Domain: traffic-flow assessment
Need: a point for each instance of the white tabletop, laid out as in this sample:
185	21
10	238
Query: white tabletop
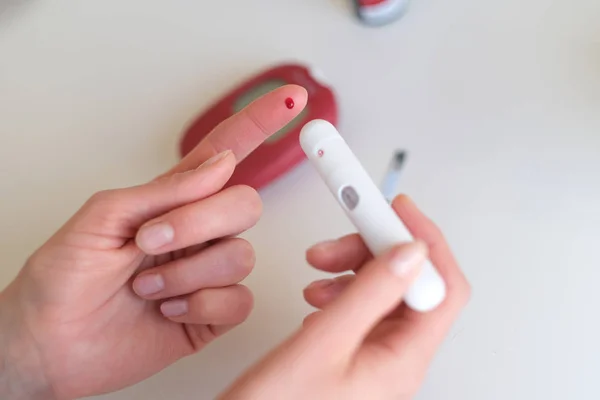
498	104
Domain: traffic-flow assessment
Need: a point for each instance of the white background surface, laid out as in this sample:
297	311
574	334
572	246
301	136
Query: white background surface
498	103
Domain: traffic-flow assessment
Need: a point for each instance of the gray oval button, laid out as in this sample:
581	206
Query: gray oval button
349	197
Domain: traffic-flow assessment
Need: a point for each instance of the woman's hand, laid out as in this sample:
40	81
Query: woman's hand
362	343
139	277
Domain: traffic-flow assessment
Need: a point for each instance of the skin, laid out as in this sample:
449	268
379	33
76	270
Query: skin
363	342
80	320
74	322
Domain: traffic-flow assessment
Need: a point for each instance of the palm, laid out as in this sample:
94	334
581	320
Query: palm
109	338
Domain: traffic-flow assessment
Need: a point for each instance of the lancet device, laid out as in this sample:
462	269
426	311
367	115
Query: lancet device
366	206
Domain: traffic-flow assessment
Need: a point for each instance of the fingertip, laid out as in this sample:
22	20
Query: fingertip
322	292
154	235
247	129
148	285
416	246
299	94
405	260
277	108
243	304
344	254
174	308
403	201
320	253
320	284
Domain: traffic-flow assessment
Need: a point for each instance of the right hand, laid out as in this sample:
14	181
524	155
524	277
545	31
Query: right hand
362	344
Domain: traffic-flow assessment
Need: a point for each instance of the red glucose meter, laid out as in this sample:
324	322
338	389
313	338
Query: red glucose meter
281	152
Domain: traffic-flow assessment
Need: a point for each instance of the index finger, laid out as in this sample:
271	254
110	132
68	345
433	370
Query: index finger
246	130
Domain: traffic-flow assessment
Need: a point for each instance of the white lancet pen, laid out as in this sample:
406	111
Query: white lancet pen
366	206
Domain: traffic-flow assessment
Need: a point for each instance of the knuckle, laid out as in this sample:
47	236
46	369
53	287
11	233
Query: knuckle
246	192
255	121
245	248
107	199
241	304
244	253
37	263
461	294
106	208
466	293
247	200
312	318
102	197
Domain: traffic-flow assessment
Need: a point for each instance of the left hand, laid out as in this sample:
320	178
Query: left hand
139	277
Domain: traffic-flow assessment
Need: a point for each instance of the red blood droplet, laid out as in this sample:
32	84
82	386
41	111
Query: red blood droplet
320	153
289	103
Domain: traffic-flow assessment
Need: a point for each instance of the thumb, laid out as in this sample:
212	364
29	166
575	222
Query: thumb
377	290
119	213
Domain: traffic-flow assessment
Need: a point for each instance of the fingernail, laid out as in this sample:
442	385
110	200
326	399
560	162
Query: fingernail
174	308
215	159
324	246
322	284
155	236
146	285
408	258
